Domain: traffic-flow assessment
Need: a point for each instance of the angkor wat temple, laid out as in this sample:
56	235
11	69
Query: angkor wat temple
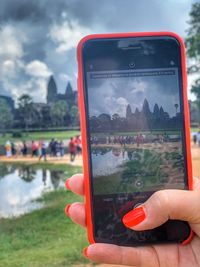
139	120
42	110
53	96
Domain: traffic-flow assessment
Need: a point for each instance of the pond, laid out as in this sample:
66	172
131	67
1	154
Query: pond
21	186
128	169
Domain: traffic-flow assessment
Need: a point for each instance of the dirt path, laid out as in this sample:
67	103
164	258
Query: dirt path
78	160
55	160
196	160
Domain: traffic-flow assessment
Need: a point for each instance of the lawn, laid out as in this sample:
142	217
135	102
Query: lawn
60	135
43	238
194	130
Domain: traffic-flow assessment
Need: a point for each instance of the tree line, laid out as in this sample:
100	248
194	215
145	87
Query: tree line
32	115
143	120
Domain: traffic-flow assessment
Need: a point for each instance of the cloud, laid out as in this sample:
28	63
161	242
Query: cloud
48	31
67	35
64	77
36	88
40	75
37	68
121	104
12	40
113	95
40	94
8	68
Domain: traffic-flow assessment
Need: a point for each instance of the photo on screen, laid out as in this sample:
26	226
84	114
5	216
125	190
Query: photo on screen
136	130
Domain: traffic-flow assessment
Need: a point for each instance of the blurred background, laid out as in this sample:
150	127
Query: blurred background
38	72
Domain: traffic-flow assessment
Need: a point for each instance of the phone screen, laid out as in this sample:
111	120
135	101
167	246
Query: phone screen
136	136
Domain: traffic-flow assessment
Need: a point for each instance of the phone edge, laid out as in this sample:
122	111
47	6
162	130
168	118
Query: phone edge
81	105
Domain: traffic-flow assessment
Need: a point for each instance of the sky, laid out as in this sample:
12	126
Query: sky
112	95
39	38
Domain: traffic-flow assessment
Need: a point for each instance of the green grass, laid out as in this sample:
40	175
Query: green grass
67	168
45	237
39	136
196	129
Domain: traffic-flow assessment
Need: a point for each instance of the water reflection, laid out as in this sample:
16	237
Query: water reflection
132	169
20	186
26	173
108	160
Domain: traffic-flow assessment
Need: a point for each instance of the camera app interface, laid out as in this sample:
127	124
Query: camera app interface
135	131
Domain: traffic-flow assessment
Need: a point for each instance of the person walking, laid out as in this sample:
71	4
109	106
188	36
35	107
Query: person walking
194	138
13	149
24	149
78	144
52	147
34	149
61	145
198	138
72	149
8	149
43	151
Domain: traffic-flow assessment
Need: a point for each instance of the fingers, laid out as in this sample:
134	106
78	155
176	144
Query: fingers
164	205
196	183
76	212
76	184
112	254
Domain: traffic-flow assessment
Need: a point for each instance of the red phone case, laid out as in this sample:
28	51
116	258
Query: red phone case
81	103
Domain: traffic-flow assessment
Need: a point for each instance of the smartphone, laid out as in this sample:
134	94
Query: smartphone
135	131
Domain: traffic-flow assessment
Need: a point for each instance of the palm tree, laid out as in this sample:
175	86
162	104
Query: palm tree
6	117
26	109
58	112
75	115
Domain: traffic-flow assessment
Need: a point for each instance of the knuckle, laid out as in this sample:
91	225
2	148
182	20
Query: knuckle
161	199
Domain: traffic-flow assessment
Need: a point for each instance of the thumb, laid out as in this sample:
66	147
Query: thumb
164	205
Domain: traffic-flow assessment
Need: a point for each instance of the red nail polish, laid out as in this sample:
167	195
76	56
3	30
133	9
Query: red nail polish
67	184
67	209
134	217
85	252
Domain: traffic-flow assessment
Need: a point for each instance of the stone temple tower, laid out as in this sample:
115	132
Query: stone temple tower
70	95
51	91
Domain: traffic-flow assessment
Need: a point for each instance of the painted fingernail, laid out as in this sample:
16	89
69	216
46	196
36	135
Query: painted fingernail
134	217
67	184
67	209
85	252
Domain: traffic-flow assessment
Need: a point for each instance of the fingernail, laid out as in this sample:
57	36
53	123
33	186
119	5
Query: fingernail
67	209
85	252
67	184
134	217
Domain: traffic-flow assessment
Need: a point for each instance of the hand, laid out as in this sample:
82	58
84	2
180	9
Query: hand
173	204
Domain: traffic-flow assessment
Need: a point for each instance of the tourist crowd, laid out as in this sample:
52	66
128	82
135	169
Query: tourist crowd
131	139
41	149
